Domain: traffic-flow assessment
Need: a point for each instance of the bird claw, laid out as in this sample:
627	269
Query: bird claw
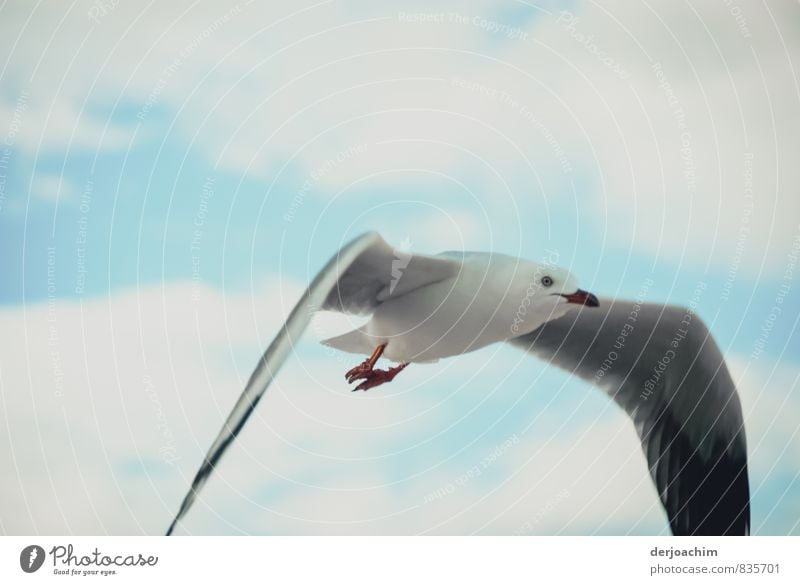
374	378
362	370
366	371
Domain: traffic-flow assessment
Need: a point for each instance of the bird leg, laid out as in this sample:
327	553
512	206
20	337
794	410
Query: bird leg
366	371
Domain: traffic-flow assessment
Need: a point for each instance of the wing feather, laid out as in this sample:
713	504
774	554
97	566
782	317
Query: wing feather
381	272
351	282
687	414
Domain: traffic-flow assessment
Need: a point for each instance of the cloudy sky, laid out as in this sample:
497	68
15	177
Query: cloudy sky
173	174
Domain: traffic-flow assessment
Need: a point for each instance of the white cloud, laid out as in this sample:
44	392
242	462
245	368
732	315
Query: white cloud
52	187
262	86
98	396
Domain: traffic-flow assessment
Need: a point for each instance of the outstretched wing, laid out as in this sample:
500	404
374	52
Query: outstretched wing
358	278
662	366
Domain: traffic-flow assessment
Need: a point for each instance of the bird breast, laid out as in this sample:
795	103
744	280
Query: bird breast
450	317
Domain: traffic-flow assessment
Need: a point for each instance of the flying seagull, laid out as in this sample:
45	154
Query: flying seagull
659	363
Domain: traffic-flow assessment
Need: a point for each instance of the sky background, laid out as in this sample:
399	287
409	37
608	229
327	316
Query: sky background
173	174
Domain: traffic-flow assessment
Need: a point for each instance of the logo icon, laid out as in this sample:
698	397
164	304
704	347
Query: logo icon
402	257
31	558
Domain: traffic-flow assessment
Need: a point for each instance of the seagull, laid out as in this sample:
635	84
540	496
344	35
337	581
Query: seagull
659	363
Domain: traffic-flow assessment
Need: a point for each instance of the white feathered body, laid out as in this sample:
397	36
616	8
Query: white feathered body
489	300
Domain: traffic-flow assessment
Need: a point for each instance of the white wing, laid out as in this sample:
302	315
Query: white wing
687	413
356	280
380	272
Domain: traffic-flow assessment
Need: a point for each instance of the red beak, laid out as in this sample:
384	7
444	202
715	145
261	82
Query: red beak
581	297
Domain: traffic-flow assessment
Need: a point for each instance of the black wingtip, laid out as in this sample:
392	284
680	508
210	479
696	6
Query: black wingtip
703	494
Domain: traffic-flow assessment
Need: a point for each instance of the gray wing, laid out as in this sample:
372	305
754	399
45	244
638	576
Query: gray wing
356	279
662	366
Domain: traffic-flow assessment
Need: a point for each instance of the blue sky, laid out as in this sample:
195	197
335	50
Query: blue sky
162	149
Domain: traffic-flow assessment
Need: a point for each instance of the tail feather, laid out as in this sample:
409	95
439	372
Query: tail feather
352	342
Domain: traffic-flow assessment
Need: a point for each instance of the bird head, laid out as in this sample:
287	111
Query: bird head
551	291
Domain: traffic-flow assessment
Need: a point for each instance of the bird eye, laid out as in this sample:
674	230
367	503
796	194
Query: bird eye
547	281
